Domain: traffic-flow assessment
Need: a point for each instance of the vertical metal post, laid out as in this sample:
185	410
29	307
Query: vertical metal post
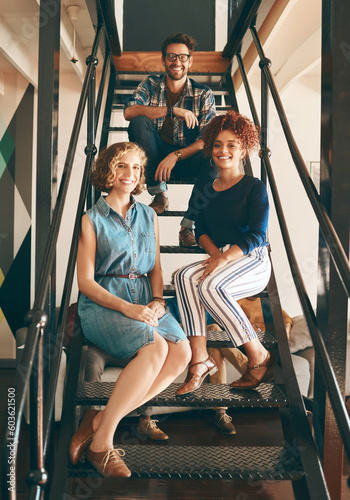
46	181
91	124
108	107
37	477
264	117
332	302
48	92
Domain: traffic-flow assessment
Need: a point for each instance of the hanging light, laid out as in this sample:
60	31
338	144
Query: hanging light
73	12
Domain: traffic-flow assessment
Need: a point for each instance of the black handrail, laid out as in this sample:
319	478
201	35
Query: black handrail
328	374
334	245
37	316
246	14
63	313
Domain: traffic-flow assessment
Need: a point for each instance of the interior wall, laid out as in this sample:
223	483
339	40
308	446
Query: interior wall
16	147
156	20
302	105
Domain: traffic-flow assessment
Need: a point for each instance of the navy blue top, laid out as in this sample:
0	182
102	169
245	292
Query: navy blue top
236	216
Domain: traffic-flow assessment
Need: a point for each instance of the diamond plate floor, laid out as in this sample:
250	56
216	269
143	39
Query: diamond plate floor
211	462
208	395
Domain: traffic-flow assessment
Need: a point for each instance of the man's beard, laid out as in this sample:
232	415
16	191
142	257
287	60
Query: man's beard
176	76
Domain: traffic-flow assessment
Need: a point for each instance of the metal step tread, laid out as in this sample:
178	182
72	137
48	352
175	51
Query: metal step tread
121	106
172	213
221	339
204	462
131	84
147	73
177	249
266	395
169	290
118	129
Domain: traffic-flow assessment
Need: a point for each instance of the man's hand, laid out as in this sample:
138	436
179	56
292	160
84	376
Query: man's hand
184	114
165	167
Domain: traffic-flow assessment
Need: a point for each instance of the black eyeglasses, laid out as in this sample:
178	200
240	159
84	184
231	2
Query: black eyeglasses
182	57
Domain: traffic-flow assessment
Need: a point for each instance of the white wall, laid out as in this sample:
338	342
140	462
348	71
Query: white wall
302	104
70	89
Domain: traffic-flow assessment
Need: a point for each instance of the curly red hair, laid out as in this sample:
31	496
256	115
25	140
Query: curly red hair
243	128
103	174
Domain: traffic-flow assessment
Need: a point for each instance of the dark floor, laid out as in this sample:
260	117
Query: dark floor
257	427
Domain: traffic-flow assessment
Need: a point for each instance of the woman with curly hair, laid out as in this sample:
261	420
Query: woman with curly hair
121	306
231	227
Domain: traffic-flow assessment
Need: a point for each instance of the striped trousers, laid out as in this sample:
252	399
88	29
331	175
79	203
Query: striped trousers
218	294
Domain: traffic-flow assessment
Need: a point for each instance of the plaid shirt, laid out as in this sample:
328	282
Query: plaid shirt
196	97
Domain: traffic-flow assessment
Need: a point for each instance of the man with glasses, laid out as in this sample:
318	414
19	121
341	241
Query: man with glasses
167	117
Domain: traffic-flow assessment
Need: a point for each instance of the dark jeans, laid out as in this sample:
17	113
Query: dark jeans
144	132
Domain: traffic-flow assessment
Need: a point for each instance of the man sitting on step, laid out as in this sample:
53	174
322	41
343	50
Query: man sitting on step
167	115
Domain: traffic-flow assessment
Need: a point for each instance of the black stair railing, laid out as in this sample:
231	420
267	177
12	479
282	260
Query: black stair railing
334	245
37	318
335	248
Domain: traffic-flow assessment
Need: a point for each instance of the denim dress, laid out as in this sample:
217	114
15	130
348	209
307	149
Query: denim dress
124	246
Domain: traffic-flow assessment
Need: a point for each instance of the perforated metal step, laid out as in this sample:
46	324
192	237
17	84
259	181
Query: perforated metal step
221	339
176	249
205	462
267	395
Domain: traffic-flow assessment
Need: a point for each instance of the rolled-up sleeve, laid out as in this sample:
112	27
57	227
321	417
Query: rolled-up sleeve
140	96
207	111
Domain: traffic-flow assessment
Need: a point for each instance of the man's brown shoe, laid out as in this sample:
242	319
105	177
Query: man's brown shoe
186	238
160	203
224	423
83	437
108	463
149	428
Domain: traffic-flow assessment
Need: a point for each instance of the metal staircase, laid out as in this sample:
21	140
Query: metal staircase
283	462
296	459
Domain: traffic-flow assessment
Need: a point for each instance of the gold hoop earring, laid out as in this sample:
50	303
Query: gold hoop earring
212	163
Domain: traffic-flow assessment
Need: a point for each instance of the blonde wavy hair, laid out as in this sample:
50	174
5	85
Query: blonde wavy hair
103	174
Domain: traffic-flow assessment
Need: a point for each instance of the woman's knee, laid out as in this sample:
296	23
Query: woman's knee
180	354
156	352
187	274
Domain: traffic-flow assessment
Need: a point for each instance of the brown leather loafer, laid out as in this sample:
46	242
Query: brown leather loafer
186	238
148	427
249	381
82	437
193	380
160	203
108	463
224	423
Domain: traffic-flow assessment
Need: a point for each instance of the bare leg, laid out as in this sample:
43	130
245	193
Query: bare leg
199	353
256	354
147	374
176	362
259	368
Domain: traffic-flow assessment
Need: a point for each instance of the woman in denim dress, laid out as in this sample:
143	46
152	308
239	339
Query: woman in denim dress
121	306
